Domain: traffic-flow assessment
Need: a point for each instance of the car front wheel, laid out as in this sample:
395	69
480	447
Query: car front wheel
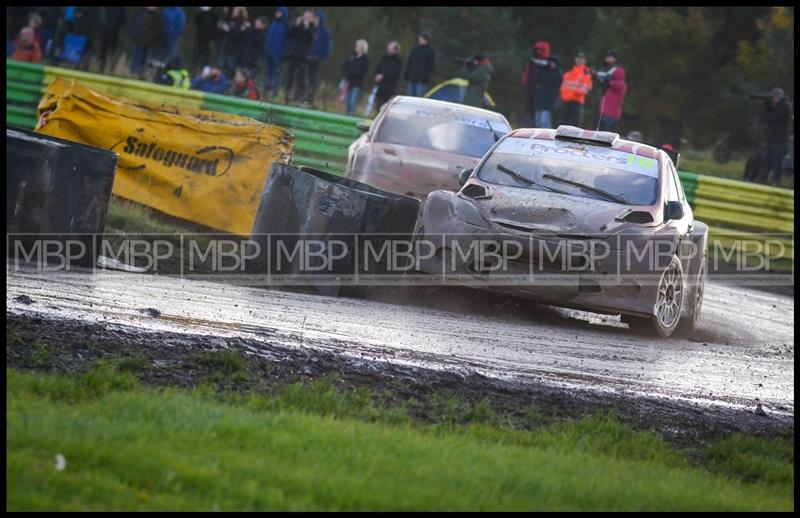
668	305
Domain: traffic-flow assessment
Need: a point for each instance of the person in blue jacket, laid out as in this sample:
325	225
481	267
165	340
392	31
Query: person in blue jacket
320	50
212	80
174	25
274	50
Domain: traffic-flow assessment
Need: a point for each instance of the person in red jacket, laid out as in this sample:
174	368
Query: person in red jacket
614	89
577	83
27	48
244	86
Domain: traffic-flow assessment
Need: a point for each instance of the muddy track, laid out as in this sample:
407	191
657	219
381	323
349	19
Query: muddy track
741	356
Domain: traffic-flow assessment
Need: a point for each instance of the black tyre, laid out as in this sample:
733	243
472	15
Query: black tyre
688	323
668	306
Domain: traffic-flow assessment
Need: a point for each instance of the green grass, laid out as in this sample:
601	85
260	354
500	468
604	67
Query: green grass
311	446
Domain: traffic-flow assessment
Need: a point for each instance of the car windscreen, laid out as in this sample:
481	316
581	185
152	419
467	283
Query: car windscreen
440	130
573	169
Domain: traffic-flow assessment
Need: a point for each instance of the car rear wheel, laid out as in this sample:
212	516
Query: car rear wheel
669	302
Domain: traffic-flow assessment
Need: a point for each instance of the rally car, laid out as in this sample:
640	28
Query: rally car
597	222
415	145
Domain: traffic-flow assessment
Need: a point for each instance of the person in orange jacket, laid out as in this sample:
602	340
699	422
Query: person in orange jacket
577	83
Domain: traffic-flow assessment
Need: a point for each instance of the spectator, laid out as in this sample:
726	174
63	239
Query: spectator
776	116
205	22
274	49
354	69
234	40
536	65
174	25
547	92
320	50
174	75
577	83
478	71
614	88
26	47
244	86
113	20
256	37
35	22
300	39
387	73
51	16
211	80
148	29
87	19
419	69
69	18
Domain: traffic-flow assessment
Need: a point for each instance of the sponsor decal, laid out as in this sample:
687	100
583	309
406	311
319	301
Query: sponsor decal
208	160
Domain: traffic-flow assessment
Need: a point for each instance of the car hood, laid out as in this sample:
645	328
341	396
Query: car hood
544	212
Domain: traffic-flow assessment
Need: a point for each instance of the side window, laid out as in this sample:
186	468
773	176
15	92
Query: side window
672	189
677	181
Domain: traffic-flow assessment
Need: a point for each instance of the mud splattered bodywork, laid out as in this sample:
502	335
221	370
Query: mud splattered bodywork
620	240
418	145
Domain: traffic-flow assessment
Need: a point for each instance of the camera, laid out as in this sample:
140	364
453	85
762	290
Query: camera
467	62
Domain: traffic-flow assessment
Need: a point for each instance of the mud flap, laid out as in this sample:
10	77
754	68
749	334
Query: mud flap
57	195
306	210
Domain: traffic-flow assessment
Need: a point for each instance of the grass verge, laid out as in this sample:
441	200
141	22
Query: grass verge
313	446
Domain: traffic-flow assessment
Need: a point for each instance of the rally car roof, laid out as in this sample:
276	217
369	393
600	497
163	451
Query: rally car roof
627	146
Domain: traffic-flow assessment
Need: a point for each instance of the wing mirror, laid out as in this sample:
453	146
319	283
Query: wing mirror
363	126
463	176
673	210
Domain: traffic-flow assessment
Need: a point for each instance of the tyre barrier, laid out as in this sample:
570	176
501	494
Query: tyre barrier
57	195
311	224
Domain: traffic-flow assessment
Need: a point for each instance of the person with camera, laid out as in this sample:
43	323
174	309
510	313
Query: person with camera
577	84
477	71
547	92
613	87
536	65
212	80
299	43
174	74
776	116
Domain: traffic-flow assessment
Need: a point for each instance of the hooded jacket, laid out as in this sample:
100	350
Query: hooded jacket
420	64
275	43
544	52
323	41
478	78
611	102
390	66
577	83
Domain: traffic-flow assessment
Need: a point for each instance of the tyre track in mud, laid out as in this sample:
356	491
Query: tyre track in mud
741	355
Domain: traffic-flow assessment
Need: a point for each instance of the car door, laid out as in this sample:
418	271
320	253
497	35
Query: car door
682	226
